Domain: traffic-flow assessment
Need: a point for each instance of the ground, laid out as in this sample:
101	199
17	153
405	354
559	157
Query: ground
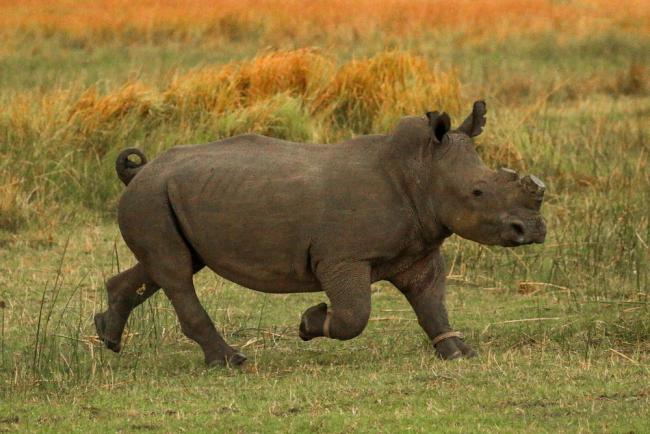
547	361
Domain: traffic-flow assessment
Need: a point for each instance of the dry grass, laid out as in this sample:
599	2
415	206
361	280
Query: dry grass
153	20
298	73
359	94
13	203
369	95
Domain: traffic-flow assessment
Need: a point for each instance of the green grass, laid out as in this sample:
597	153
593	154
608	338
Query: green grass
551	358
562	329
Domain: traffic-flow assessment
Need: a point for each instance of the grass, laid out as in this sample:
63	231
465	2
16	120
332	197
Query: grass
563	329
552	358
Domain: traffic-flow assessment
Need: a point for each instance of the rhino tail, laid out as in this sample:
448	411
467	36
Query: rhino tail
126	167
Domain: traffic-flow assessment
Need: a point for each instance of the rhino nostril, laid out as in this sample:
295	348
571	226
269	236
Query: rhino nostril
517	228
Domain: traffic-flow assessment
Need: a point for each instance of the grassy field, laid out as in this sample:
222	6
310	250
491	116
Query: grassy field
562	329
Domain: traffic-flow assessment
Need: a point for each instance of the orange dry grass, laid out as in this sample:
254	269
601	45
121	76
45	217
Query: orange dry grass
283	88
297	73
368	94
94	111
304	21
362	95
12	202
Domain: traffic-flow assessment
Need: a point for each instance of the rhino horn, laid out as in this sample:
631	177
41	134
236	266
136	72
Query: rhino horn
508	174
533	185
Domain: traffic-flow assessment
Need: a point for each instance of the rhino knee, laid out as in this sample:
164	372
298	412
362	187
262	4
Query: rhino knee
348	324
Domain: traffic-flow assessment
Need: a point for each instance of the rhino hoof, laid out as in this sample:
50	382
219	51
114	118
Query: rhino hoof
235	359
302	331
100	327
315	314
454	348
468	352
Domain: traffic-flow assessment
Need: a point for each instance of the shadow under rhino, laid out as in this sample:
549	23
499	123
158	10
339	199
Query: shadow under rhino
283	217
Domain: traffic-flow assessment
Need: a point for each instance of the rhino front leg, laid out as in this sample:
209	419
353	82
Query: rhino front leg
347	285
424	287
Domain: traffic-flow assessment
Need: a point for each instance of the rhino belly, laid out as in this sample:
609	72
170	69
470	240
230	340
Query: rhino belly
252	242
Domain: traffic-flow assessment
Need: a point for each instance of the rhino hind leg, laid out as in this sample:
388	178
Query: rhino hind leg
168	260
348	288
171	267
126	291
197	325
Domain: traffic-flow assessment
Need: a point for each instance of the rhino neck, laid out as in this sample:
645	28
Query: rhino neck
411	169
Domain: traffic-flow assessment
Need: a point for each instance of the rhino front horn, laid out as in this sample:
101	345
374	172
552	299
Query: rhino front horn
533	185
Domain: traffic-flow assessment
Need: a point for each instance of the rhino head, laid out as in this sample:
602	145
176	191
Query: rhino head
494	207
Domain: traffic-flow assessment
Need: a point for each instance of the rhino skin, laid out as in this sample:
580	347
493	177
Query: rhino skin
283	217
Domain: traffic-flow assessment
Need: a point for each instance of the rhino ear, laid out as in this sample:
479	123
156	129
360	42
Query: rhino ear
473	125
440	124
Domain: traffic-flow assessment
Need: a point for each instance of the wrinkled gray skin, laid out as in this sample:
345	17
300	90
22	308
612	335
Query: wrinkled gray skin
284	217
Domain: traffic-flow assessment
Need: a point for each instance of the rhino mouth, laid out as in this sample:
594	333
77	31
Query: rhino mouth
517	233
515	243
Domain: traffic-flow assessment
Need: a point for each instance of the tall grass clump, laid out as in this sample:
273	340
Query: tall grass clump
370	95
14	203
208	92
96	122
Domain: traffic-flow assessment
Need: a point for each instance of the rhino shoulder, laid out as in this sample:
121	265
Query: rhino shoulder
411	130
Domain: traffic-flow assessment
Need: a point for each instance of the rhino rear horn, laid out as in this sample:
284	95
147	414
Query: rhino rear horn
440	124
473	125
508	174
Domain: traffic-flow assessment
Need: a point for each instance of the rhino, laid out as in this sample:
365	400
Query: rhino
283	217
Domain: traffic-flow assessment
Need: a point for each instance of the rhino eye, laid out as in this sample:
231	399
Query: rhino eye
476	192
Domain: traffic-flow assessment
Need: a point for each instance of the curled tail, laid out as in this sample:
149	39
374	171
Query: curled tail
126	169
